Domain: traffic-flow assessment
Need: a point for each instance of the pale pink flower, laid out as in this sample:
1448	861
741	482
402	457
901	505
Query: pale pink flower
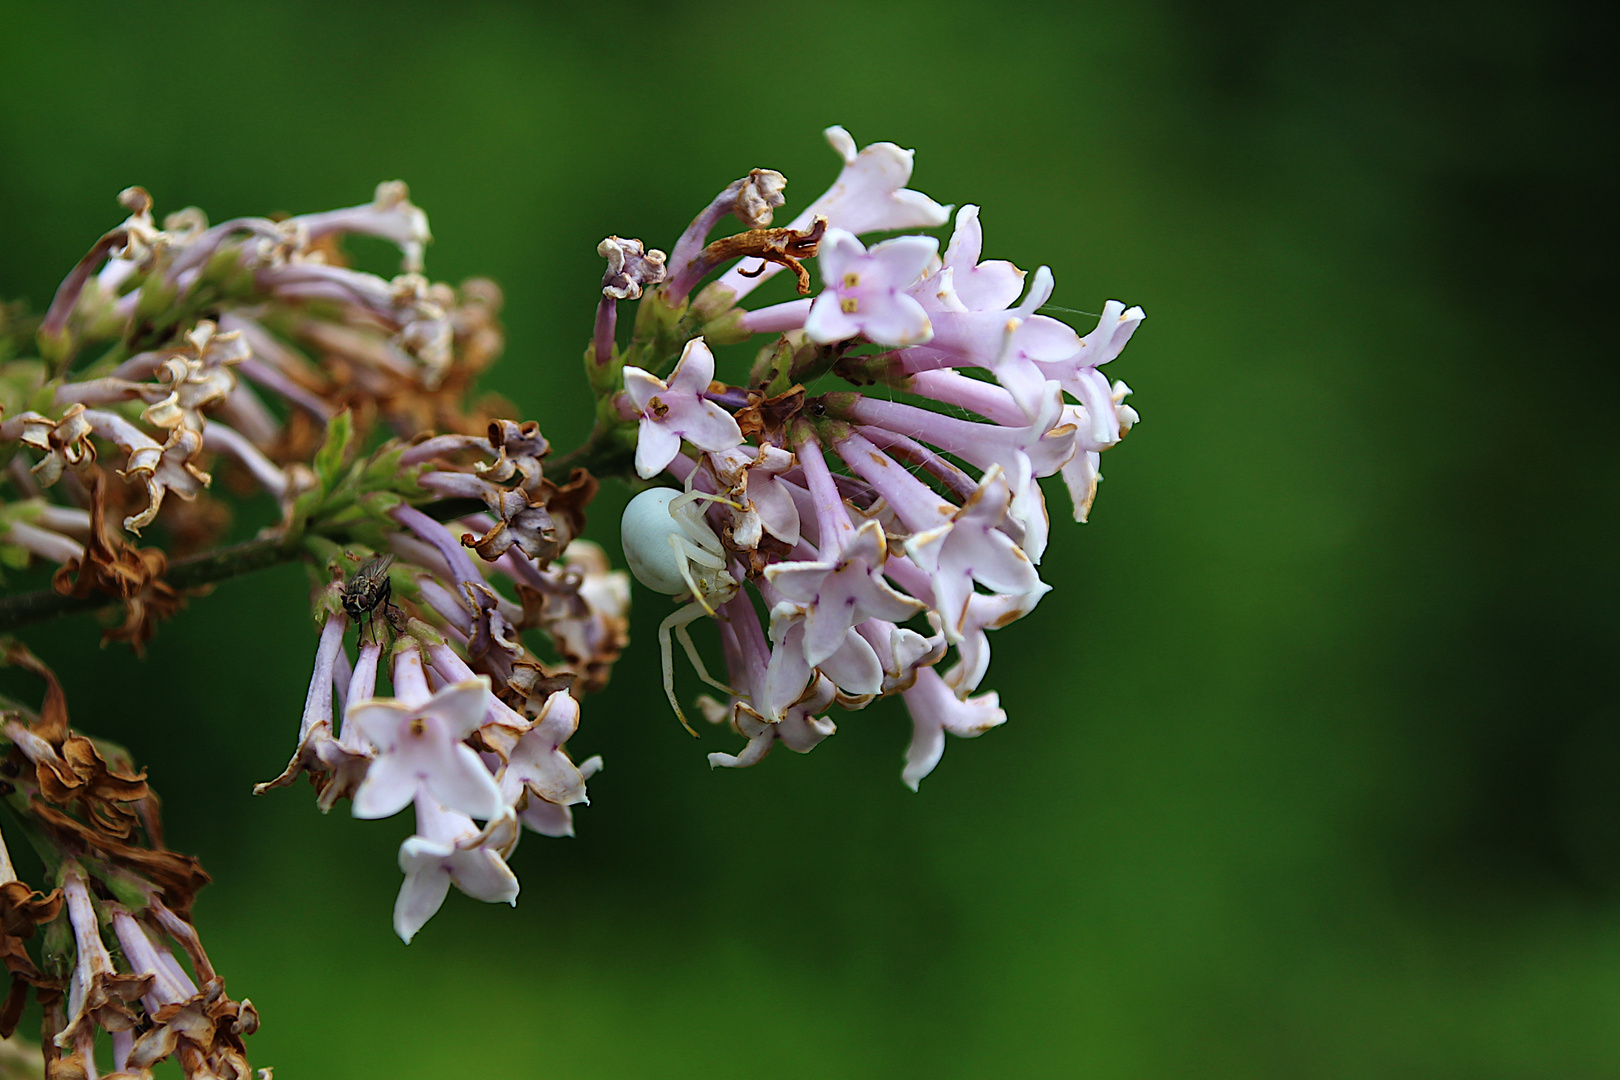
1077	372
450	850
852	665
675	410
900	651
551	819
419	748
754	479
768	706
799	728
985	612
973	548
934	711
864	292
538	764
840	590
992	285
1080	472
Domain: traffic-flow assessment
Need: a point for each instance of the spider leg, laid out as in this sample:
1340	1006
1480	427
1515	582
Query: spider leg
679	617
685	638
698	554
700	496
682	551
695	528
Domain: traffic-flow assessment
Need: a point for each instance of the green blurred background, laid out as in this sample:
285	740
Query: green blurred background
1313	767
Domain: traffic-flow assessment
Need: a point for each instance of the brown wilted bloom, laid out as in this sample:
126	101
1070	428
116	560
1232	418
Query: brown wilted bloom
476	318
201	1025
785	247
369	373
71	774
205	1031
68	768
162	468
765	420
178	876
22	910
196	378
519	450
118	569
759	194
520	522
584	605
540	525
65	443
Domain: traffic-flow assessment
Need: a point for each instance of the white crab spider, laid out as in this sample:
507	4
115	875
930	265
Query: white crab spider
671	549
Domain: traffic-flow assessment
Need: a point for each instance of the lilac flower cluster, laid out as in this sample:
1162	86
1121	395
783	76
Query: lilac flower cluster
855	516
878	536
473	727
444	743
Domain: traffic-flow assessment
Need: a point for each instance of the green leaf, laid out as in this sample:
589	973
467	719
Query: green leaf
329	458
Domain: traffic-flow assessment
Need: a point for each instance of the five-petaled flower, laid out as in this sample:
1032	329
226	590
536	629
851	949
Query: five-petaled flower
448	849
675	410
865	290
419	750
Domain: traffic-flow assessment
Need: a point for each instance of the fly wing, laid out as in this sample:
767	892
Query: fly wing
376	568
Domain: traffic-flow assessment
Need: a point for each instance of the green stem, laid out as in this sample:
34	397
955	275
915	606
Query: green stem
610	451
207	568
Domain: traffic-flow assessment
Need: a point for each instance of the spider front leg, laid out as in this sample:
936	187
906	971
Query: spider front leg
685	639
678	620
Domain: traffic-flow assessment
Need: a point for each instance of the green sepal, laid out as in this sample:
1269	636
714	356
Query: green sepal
661	331
43	400
228	275
126	888
57	950
302	514
56	349
325	550
771	364
715	301
383	468
604	378
327	603
728	329
377	504
422	632
156	302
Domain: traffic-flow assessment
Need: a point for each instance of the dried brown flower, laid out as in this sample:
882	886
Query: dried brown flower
785	247
118	569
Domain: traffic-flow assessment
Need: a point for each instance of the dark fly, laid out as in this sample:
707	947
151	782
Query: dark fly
370	589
